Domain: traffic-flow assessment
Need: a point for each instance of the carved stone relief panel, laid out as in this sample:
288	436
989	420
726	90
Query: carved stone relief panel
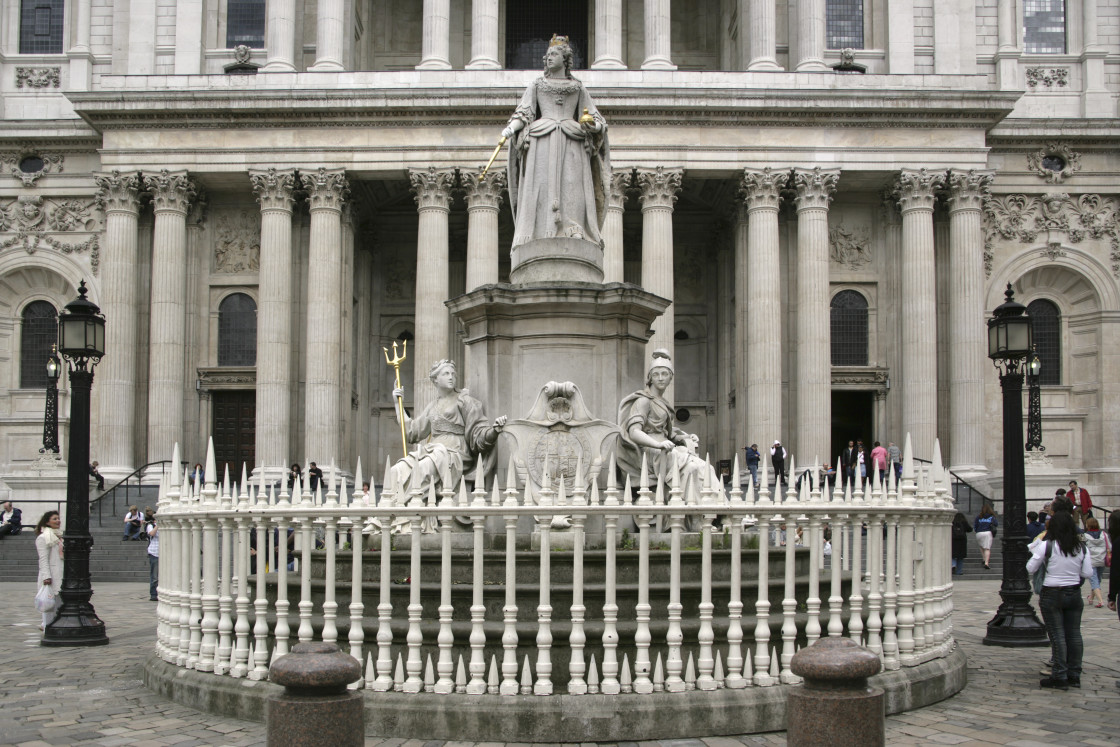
65	224
1052	219
849	238
237	241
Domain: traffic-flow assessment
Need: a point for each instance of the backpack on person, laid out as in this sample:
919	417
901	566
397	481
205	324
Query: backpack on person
1038	578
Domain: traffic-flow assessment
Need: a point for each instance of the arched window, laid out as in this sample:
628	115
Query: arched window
245	24
39	331
849	329
237	331
1046	324
40	27
530	26
1044	26
843	20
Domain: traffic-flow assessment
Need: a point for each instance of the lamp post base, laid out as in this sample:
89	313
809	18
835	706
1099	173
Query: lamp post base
80	628
1016	625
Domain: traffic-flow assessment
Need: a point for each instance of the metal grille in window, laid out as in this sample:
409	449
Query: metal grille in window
245	23
849	329
40	27
843	20
530	26
1047	328
1044	26
38	332
237	331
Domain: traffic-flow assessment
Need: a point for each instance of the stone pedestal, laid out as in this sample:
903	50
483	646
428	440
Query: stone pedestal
558	259
316	707
836	705
518	336
41	481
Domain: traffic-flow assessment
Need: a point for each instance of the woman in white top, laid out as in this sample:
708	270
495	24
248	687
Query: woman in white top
48	543
1060	601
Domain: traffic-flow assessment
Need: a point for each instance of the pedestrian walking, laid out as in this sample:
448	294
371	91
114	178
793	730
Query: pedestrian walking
153	559
1098	544
48	544
1111	560
753	456
1066	561
985	526
960	532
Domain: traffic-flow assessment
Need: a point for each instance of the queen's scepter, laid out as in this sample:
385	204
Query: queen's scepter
396	362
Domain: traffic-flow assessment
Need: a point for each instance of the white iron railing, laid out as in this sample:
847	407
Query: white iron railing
215	615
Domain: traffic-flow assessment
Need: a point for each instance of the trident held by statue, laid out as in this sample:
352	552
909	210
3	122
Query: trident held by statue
396	362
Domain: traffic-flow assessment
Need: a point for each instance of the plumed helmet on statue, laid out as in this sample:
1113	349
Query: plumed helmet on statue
659	359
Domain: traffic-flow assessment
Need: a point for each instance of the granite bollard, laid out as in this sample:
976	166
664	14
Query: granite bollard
315	708
835	705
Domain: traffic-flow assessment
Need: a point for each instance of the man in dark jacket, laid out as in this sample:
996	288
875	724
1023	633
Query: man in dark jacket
10	520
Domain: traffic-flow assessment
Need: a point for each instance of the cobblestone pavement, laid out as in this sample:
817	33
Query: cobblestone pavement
95	696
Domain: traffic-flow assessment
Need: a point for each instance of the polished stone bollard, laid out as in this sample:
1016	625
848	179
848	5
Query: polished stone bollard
835	705
315	708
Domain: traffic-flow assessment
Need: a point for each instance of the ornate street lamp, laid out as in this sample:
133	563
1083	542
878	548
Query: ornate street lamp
50	414
81	340
1034	405
1009	345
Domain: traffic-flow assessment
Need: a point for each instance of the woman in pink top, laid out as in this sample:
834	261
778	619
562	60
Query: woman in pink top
879	459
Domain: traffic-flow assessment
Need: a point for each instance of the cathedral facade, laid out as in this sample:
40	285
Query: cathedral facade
832	195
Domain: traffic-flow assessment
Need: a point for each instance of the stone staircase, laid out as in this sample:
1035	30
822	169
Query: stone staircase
110	560
973	565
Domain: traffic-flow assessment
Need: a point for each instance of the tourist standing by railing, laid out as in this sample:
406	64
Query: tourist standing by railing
1066	559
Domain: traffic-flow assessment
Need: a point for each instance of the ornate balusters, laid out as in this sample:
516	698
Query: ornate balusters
609	684
413	682
384	680
225	599
762	603
577	668
208	600
477	683
906	561
735	660
283	631
706	636
674	662
445	639
357	634
330	545
259	662
642	683
186	575
241	628
305	632
543	683
509	684
810	492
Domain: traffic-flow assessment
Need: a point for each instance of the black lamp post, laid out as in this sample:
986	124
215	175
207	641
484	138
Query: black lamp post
50	414
81	340
1009	344
1034	405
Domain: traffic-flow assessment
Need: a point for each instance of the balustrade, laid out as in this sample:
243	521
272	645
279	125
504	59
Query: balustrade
590	615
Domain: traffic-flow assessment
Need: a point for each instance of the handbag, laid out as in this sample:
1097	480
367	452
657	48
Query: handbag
1038	578
45	599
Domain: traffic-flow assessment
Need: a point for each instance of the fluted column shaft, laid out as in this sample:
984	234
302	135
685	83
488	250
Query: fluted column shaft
810	35
742	323
329	31
484	35
483	201
659	188
435	47
815	189
171	195
327	190
763	35
280	35
916	193
613	261
432	191
116	375
608	35
658	36
274	318
967	343
761	192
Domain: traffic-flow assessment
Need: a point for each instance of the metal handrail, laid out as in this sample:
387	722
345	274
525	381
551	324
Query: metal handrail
967	508
126	483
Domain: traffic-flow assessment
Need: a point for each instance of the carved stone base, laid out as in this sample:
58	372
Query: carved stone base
558	259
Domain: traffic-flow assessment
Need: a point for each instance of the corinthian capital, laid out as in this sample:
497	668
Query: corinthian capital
431	188
968	189
762	189
326	189
916	189
171	191
620	183
117	192
815	187
659	187
486	193
274	188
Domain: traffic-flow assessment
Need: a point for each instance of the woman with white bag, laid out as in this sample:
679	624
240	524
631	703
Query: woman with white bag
48	543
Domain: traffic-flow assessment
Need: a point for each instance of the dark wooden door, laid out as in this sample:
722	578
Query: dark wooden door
234	429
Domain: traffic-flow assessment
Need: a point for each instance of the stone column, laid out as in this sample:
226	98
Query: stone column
915	192
432	191
171	196
658	30
329	31
280	36
118	195
764	37
613	262
484	35
436	44
274	318
483	201
810	36
1010	49
80	55
1096	99
327	190
659	188
763	393
608	35
815	189
740	383
967	328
